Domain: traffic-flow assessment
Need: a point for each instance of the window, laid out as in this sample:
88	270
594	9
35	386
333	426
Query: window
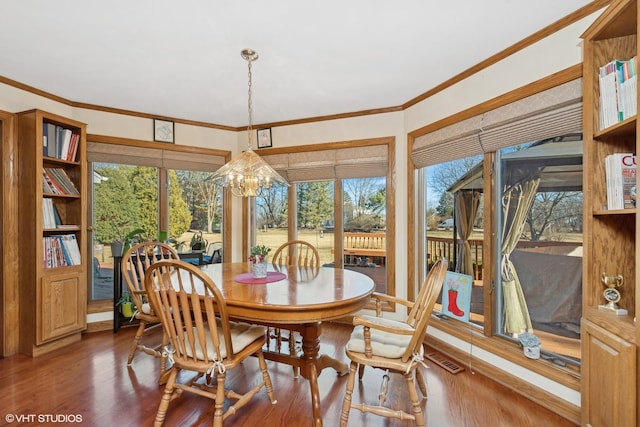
540	243
125	208
314	216
272	217
340	192
150	192
195	211
455	189
365	225
531	152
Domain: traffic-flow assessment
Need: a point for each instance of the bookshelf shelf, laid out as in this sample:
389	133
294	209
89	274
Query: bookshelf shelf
602	212
625	127
53	264
609	341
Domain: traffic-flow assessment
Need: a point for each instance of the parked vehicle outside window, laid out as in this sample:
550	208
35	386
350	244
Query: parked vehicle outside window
447	224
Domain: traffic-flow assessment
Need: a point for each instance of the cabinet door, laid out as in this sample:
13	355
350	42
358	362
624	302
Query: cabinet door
608	378
62	306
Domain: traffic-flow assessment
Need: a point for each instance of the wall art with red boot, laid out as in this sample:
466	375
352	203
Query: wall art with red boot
456	295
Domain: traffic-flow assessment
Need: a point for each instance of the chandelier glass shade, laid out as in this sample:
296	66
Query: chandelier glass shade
247	174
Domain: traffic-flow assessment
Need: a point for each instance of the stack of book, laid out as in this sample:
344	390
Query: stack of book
56	181
60	251
620	173
618	91
59	142
50	216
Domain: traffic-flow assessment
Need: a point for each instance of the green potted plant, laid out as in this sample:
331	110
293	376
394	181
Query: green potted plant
123	243
126	304
259	253
198	242
132	238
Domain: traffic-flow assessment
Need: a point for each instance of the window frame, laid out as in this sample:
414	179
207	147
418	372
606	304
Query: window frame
249	218
181	152
485	339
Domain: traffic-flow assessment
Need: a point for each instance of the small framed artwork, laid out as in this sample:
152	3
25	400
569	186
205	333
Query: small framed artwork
163	131
456	295
264	138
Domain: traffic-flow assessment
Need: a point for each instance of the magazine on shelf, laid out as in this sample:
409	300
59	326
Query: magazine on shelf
620	175
60	251
618	91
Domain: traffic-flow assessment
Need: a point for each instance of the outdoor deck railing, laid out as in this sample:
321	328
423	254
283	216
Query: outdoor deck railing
444	247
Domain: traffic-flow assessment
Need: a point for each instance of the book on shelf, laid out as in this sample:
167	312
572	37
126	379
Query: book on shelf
47	214
58	142
71	246
618	91
58	181
73	147
48	184
50	215
60	251
620	175
64	147
51	139
45	140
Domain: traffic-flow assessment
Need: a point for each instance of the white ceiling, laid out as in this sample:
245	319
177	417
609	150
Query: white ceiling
181	59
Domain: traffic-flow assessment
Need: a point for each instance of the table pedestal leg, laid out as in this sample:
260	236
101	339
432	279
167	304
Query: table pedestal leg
312	365
325	361
309	370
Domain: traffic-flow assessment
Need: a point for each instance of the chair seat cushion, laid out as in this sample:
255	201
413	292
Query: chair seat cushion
146	308
242	334
383	344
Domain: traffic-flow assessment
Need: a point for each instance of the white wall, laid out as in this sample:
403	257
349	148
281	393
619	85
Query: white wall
550	55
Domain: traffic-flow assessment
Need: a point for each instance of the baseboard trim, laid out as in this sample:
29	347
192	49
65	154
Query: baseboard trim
104	325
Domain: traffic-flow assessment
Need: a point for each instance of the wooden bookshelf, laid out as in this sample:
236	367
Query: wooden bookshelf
53	301
609	340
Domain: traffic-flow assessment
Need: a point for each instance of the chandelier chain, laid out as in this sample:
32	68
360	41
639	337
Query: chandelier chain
248	175
250	107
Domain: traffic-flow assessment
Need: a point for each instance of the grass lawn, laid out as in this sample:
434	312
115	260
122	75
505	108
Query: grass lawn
273	238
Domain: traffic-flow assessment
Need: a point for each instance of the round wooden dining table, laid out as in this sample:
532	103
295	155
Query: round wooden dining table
295	298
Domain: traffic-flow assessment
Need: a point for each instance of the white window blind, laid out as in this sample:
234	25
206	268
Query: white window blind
353	162
553	112
143	156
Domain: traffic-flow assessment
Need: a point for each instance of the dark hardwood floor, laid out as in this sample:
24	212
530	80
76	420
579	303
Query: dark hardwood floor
90	380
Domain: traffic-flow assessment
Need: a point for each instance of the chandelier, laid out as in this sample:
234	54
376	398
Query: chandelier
247	174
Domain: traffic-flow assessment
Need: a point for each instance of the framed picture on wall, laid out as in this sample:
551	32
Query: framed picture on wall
163	131
264	138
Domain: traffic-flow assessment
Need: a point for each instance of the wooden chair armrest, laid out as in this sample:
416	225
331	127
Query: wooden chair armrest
379	298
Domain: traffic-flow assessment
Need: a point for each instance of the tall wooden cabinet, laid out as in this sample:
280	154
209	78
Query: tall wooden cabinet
53	300
609	341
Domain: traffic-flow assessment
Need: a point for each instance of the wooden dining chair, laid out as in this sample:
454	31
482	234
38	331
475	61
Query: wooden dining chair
194	316
213	254
298	253
134	264
395	346
293	253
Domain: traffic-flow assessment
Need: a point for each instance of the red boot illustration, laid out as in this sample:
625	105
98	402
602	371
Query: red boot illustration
453	303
